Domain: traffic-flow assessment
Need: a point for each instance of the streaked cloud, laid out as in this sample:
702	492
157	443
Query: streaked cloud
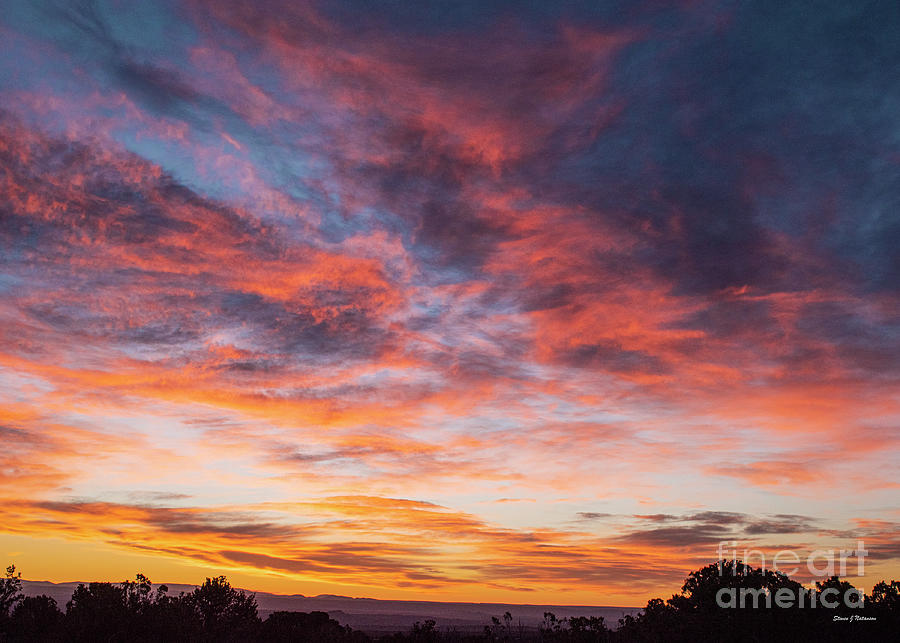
481	301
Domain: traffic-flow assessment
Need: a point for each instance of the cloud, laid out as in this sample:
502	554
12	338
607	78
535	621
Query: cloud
593	515
691	531
291	251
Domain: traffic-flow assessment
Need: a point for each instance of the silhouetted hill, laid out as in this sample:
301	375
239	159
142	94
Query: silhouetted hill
377	616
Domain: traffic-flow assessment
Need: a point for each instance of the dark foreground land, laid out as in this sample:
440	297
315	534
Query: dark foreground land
137	611
379	617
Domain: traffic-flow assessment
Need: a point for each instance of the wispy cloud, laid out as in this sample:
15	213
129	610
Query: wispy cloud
591	287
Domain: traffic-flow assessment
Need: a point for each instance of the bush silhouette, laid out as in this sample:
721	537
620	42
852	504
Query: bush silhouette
300	627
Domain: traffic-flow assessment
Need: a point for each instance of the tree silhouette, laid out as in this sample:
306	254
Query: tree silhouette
837	592
886	596
172	618
10	590
98	611
225	613
37	618
884	604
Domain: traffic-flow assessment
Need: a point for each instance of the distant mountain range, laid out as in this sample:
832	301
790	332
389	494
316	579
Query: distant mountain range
380	616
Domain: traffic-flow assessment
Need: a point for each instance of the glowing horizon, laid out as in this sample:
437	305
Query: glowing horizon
503	303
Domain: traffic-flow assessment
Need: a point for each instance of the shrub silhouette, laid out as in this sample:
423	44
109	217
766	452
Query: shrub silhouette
426	632
300	627
575	628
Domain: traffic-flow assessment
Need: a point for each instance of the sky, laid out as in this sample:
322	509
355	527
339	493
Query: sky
509	301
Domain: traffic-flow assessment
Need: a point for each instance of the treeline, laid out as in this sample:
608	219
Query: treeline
725	601
133	611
